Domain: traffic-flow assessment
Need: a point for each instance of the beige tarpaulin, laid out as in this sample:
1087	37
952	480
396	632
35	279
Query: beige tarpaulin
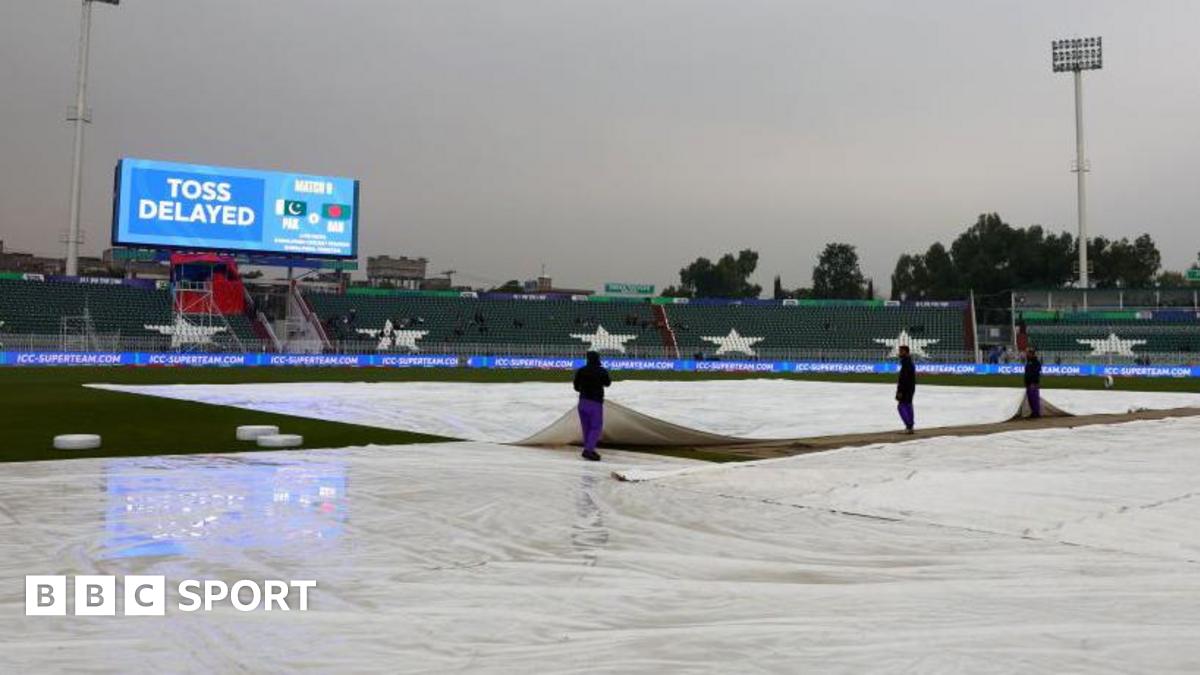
626	427
1048	410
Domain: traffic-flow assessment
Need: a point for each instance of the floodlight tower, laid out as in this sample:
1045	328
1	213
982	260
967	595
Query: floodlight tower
1076	55
80	115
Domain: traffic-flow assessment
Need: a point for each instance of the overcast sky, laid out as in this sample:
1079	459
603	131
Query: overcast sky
619	140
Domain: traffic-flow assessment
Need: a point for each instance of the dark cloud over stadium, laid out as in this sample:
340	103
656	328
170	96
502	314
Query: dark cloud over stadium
618	141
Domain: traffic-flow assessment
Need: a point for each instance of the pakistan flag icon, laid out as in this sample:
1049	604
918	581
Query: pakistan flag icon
290	207
336	211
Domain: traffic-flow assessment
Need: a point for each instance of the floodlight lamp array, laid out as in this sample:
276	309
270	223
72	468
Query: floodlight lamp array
1075	54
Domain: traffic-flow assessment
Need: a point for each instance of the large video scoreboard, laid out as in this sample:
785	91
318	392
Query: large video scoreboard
211	208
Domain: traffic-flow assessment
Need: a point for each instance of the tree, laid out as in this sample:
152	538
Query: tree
1170	279
910	279
510	286
837	274
729	277
992	256
870	289
781	293
942	278
1122	264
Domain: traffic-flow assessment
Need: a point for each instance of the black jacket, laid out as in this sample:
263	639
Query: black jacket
1033	371
590	382
906	386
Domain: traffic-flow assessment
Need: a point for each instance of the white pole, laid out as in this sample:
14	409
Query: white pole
80	118
975	329
1080	171
1012	318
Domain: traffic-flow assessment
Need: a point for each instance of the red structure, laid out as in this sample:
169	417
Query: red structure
207	283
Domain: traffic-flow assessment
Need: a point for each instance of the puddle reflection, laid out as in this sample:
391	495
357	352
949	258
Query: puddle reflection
166	506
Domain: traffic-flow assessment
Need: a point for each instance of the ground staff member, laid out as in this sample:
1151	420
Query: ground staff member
590	382
1033	382
906	386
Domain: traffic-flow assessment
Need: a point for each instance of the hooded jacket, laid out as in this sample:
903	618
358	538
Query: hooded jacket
591	379
906	386
1033	371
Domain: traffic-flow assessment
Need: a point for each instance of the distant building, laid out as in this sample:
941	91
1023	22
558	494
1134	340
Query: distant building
91	266
28	263
436	284
141	269
402	272
544	284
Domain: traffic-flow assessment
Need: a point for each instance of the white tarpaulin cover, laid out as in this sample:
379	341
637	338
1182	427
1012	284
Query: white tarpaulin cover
761	409
1037	552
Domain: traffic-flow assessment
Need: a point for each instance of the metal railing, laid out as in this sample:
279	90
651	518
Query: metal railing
1075	299
118	343
636	351
121	343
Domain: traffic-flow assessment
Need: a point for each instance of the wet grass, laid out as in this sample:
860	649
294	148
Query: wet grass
38	403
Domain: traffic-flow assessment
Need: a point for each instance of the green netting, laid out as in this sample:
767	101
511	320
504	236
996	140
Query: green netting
1079	316
399	292
616	298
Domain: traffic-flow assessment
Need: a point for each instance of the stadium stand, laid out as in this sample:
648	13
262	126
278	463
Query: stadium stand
1157	325
63	314
51	313
450	322
1141	335
819	329
368	319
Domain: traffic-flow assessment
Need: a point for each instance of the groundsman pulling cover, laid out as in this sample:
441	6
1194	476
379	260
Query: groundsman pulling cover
626	427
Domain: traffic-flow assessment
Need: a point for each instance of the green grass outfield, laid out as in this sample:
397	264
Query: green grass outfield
38	403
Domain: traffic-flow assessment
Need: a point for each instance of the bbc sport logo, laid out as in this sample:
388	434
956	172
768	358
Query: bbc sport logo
146	595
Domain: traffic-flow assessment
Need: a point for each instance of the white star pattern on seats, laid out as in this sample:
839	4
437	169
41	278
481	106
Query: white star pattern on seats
184	333
1112	345
390	338
604	341
734	342
915	345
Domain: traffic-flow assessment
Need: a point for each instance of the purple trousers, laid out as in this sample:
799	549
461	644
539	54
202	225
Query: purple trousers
591	419
906	413
1034	394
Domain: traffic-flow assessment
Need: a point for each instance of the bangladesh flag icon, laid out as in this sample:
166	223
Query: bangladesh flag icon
336	211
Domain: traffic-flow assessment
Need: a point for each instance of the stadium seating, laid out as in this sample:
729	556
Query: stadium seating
1137	333
139	317
117	312
816	328
50	314
39	307
553	325
453	322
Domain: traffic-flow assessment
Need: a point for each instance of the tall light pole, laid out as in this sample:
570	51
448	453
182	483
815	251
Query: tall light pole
1076	55
80	115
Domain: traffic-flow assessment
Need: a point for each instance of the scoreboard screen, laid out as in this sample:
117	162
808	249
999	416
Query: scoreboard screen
212	208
